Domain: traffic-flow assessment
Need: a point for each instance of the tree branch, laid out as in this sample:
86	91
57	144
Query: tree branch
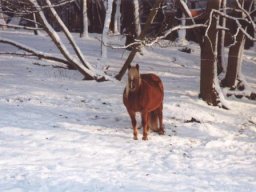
149	21
20	27
69	37
33	52
239	25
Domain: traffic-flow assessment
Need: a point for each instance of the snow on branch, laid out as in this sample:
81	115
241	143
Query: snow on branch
213	13
186	9
147	43
245	11
179	27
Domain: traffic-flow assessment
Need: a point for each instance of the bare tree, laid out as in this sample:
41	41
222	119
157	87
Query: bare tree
79	61
209	85
115	24
212	46
141	37
210	42
234	78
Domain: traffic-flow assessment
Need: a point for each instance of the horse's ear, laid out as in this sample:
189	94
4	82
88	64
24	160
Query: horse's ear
137	66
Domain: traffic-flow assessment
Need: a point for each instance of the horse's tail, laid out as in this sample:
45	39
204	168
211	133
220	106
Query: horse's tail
153	121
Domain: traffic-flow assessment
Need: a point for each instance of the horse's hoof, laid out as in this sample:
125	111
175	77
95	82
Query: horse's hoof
135	137
161	132
145	138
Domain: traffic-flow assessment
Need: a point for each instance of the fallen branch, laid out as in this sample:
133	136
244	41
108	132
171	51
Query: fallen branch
32	52
192	120
20	27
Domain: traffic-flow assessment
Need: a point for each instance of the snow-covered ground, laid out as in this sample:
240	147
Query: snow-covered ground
59	133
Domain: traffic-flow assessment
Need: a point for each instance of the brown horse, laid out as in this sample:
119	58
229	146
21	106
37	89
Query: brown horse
144	93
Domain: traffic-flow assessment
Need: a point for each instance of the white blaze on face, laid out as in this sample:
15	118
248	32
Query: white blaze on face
131	82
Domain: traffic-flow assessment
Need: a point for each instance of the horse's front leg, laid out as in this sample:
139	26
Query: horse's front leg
133	119
145	116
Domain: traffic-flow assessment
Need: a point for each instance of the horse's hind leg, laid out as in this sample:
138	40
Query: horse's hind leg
148	124
145	125
160	116
135	130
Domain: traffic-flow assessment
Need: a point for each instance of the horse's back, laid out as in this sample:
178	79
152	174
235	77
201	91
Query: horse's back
153	91
153	80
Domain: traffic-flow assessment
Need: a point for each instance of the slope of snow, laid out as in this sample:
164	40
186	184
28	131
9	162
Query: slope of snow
59	133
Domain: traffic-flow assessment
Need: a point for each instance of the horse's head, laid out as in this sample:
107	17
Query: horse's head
133	78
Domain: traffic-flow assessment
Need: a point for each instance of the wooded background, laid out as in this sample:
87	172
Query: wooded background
213	24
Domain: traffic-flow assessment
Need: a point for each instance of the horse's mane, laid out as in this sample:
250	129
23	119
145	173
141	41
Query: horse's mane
127	89
133	71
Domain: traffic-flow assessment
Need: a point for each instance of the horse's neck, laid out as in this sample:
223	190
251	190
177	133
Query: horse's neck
136	92
134	100
134	95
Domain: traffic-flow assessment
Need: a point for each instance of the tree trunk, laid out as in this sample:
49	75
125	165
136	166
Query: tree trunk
36	25
2	21
84	19
220	60
184	8
135	48
209	86
118	17
128	26
234	78
221	43
182	33
236	53
234	62
137	17
106	29
113	22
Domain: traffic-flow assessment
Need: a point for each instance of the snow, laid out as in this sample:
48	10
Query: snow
60	133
